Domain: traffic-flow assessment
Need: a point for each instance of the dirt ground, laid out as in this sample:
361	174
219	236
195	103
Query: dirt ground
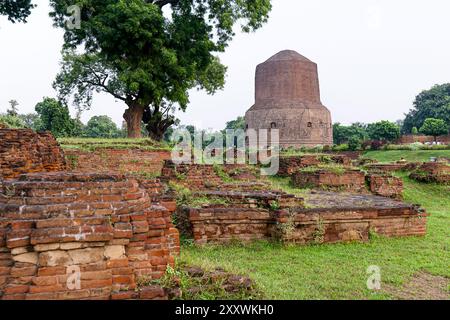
422	286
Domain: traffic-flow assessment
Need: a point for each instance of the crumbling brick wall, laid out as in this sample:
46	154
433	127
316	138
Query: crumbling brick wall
385	185
350	180
25	151
291	164
328	225
193	176
386	167
81	236
438	172
218	224
126	161
242	216
223	224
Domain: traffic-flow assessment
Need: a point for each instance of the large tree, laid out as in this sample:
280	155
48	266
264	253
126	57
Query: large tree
433	103
383	130
434	127
16	10
55	117
342	134
101	127
150	53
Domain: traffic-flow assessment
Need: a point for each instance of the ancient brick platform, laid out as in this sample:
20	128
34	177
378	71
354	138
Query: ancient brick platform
328	217
102	227
245	216
386	167
291	164
195	176
203	176
25	151
351	180
438	172
385	185
225	224
126	161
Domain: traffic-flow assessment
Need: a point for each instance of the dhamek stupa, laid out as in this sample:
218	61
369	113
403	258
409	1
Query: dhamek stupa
287	97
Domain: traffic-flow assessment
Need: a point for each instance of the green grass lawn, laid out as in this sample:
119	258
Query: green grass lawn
338	271
93	144
394	155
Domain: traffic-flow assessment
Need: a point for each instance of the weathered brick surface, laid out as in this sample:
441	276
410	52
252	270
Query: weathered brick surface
203	176
385	185
291	164
287	97
407	139
386	167
244	216
122	161
221	225
350	180
25	151
438	172
103	225
195	176
333	217
329	225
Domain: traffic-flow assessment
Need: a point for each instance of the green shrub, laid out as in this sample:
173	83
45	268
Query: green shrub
341	147
354	143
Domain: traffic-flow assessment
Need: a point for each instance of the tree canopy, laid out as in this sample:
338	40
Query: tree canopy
149	57
101	127
433	103
16	10
384	131
55	117
238	123
342	134
434	127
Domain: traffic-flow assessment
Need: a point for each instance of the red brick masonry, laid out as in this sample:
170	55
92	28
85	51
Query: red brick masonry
385	185
438	172
122	161
25	151
335	218
103	226
352	180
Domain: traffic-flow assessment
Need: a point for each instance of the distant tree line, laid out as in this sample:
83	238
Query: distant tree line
52	115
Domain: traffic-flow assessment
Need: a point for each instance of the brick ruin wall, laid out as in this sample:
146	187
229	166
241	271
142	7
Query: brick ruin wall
303	226
385	185
203	176
223	224
437	172
408	139
81	236
291	164
135	161
25	151
244	217
386	167
347	224
349	181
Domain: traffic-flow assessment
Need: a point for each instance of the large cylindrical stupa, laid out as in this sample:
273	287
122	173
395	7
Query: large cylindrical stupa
287	97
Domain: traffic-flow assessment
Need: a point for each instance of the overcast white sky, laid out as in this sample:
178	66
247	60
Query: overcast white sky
374	57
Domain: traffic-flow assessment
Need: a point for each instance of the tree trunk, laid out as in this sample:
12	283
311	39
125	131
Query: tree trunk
133	117
156	123
155	131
